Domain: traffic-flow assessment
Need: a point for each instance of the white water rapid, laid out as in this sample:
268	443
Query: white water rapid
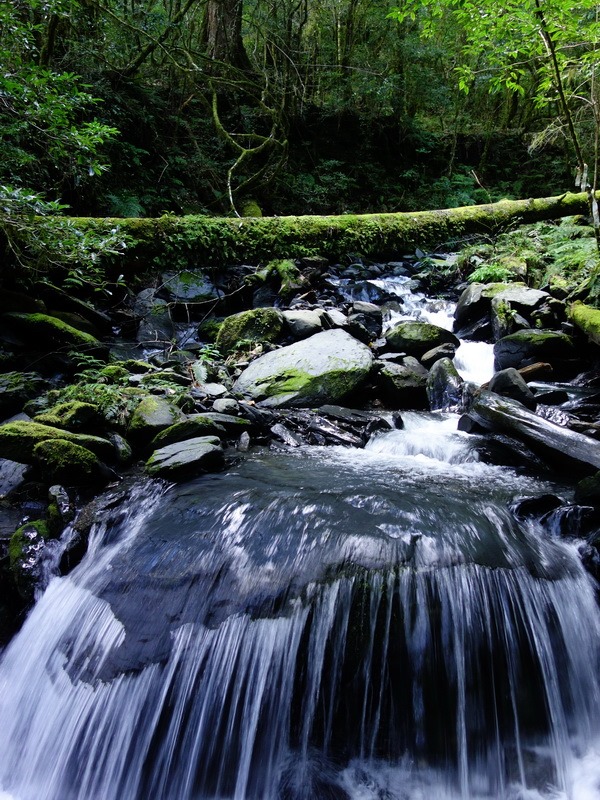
333	623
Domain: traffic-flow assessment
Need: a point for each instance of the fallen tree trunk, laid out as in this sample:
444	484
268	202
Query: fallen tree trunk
216	241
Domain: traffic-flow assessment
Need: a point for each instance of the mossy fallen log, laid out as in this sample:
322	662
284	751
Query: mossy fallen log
171	242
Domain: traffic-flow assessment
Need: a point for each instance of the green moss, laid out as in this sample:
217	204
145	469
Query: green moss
52	333
187	429
73	416
21	539
209	329
587	319
136	367
114	373
254	326
298	385
19	439
64	462
251	209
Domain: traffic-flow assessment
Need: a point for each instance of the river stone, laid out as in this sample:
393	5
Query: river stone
187	429
444	386
18	440
231	425
587	319
529	346
509	383
58	299
521	298
403	385
304	323
562	445
256	325
443	351
226	405
416	338
321	369
73	416
153	415
186	459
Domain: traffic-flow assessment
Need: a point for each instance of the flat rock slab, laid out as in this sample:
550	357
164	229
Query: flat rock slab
321	369
186	459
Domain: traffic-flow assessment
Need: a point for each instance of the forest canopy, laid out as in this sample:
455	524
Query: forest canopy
141	107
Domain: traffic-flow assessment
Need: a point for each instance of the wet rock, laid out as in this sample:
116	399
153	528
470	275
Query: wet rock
571	520
27	551
188	286
60	300
509	383
417	338
475	302
369	316
286	436
323	368
402	385
12	475
254	326
554	443
444	386
186	459
244	442
587	490
530	346
535	507
443	351
232	426
191	428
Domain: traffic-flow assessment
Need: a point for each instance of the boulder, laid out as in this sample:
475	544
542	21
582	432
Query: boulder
304	323
43	332
73	416
61	461
475	303
587	319
226	405
191	428
369	316
417	338
444	386
529	346
255	326
322	369
151	416
62	301
429	358
402	385
509	383
555	443
18	440
186	459
232	426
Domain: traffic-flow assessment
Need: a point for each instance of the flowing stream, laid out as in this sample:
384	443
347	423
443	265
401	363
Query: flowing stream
324	624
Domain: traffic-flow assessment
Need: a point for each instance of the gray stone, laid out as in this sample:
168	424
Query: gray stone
321	369
429	358
16	388
303	324
226	405
475	302
153	415
335	318
186	459
231	425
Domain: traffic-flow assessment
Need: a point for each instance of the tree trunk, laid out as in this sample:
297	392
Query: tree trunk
223	25
221	241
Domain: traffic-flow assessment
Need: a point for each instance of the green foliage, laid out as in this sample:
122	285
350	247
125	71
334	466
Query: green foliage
490	273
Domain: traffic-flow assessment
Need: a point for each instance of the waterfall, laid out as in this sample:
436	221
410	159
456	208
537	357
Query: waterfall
329	623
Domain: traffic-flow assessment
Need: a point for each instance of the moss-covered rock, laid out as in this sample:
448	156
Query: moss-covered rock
114	374
16	388
64	462
26	553
402	385
18	440
254	326
322	369
186	459
73	416
47	333
199	425
529	346
153	415
587	319
416	338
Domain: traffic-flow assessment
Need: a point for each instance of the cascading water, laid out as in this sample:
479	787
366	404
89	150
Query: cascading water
325	624
328	624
